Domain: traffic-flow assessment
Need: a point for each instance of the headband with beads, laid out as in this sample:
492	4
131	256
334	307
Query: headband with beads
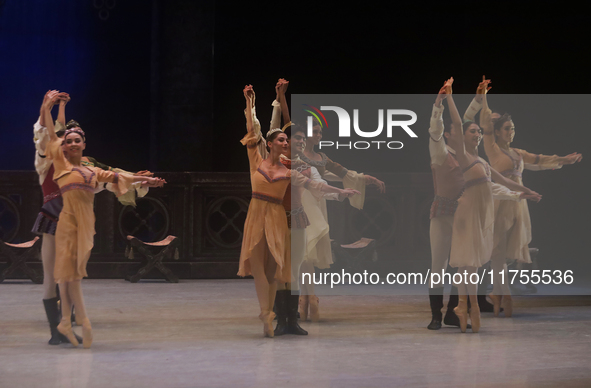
75	130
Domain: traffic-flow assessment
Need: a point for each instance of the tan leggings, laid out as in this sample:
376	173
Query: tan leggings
263	268
71	294
48	260
468	288
498	263
298	248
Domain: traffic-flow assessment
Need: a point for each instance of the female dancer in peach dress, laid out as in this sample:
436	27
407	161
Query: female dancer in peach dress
265	243
473	225
74	235
512	221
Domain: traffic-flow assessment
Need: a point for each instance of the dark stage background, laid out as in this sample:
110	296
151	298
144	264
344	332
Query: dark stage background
158	84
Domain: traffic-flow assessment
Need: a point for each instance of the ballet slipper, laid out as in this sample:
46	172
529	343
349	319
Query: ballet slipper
267	318
65	327
303	307
475	319
314	313
508	305
496	299
461	310
86	333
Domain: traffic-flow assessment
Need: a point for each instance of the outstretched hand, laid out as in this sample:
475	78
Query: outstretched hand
144	173
347	193
370	180
154	182
532	196
572	158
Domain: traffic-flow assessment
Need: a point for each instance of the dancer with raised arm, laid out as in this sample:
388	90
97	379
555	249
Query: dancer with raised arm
46	222
448	185
318	249
512	230
265	244
473	223
75	230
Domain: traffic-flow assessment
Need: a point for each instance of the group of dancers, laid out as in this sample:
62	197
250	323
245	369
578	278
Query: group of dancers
69	181
286	232
288	196
474	221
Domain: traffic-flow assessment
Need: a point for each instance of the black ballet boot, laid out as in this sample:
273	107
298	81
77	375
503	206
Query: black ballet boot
292	314
436	302
451	319
53	317
485	305
281	312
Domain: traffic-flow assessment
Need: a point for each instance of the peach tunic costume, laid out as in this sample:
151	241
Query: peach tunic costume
512	220
266	214
74	237
473	226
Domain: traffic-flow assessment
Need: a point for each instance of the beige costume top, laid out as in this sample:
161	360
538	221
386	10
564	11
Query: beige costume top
473	227
74	237
266	213
512	218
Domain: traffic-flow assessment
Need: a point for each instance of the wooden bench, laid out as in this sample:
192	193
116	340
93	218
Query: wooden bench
154	253
16	255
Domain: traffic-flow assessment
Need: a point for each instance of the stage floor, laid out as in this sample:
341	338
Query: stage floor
206	333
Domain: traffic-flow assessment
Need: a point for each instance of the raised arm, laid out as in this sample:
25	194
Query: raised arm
276	115
281	95
476	103
48	104
61	115
437	148
456	139
249	96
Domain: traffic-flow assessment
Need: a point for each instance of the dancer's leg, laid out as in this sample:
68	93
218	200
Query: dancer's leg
472	291
48	260
65	326
260	272
306	289
50	299
461	309
498	263
440	235
75	291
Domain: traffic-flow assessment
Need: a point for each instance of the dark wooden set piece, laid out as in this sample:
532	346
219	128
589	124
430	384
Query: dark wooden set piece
16	255
167	248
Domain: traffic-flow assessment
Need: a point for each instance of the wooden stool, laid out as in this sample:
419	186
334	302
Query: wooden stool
168	248
17	255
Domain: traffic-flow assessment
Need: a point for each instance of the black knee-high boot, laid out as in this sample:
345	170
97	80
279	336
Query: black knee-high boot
436	302
281	312
292	315
53	317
